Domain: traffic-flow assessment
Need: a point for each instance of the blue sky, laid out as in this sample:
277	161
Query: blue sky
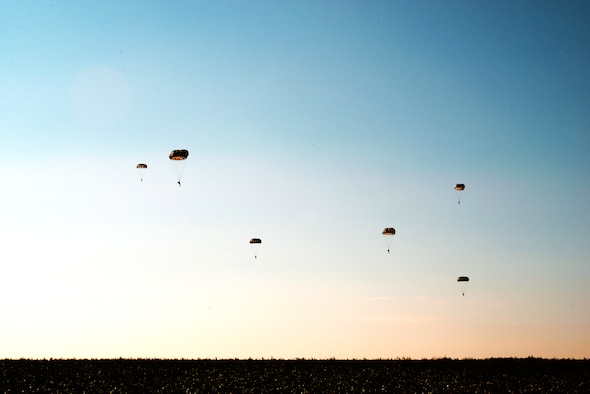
311	125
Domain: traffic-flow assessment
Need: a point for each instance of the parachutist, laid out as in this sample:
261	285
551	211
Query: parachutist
387	250
178	183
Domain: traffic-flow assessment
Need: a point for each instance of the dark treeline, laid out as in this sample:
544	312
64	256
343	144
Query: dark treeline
497	375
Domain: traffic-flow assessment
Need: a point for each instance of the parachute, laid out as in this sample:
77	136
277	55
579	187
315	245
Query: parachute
255	242
178	157
141	167
388	233
462	281
459	187
178	154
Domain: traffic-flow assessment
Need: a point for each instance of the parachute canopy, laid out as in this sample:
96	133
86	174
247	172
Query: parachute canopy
388	231
141	165
463	279
460	187
255	241
178	154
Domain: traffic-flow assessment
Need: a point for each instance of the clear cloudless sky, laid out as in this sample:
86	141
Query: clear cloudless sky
311	125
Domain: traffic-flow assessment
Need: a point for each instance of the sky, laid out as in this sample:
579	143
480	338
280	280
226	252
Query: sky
312	126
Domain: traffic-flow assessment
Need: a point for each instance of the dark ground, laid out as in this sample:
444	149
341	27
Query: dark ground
506	375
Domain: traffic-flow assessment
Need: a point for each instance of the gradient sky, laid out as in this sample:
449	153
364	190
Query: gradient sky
311	125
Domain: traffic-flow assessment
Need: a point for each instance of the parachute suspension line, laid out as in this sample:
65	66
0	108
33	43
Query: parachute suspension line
178	168
462	281
255	242
459	187
178	158
388	233
141	167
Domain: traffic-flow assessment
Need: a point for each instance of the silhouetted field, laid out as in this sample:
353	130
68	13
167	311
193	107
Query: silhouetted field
506	375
